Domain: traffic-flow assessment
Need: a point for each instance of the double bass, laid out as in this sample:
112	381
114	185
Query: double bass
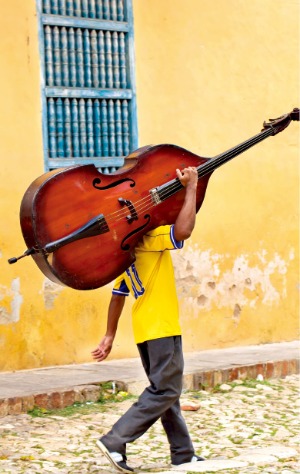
81	226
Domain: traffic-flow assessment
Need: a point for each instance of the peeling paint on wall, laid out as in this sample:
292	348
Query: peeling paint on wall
10	302
203	284
50	292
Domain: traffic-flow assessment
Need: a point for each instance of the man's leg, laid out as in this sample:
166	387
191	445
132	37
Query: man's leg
178	436
174	424
163	363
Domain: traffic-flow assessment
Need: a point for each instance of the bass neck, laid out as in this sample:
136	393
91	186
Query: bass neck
270	128
213	163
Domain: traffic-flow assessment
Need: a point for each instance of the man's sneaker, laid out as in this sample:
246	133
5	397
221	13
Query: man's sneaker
195	458
117	460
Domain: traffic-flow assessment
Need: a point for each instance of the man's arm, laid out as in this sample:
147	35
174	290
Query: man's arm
114	312
186	218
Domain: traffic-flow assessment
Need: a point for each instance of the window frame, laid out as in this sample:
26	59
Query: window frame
108	163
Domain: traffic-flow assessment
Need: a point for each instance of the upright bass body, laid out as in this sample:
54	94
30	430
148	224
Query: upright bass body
82	226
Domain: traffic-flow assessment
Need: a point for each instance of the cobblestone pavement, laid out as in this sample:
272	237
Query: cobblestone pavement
247	427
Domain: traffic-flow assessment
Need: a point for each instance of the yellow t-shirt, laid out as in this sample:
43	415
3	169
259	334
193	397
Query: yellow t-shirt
150	279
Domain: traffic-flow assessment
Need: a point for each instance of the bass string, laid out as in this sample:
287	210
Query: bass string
146	203
219	160
141	205
214	163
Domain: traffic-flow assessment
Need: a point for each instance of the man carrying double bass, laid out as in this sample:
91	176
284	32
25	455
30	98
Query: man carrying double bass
150	279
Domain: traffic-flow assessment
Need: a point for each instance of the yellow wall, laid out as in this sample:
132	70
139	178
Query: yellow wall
208	74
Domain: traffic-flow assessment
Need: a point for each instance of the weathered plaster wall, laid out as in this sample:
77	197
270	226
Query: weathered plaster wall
208	75
225	300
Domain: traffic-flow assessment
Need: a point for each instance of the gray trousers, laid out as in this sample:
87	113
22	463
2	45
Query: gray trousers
163	363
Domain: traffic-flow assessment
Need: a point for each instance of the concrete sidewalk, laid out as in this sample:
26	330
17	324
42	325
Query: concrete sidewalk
55	387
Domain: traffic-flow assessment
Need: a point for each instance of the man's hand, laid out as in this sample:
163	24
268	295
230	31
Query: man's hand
188	177
114	312
186	218
104	348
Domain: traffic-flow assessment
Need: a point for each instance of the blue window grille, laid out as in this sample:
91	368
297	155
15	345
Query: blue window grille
88	84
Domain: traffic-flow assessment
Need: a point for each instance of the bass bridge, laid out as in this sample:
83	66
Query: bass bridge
133	214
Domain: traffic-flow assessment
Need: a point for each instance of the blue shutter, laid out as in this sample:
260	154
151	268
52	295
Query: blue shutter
88	86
